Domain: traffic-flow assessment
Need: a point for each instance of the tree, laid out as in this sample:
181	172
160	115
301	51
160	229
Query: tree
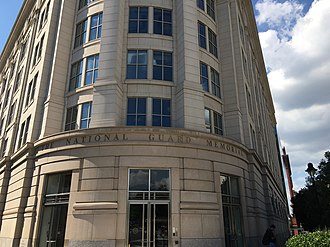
311	204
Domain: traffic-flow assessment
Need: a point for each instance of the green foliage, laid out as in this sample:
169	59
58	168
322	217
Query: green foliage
312	239
311	204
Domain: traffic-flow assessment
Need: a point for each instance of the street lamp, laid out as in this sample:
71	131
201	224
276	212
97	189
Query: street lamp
310	170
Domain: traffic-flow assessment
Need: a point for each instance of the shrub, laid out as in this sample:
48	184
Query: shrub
312	239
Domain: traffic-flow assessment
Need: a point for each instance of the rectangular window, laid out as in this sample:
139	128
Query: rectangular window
44	16
201	4
80	37
213	122
31	90
12	112
18	80
92	69
4	148
202	35
71	118
22	51
12	70
217	119
162	21
136	112
249	100
23	132
162	66
5	102
204	76
40	47
86	115
1	125
207	116
55	211
161	112
231	211
213	48
138	20
215	83
137	61
210	8
96	26
76	75
36	50
83	3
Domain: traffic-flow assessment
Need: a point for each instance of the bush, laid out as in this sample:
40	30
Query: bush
312	239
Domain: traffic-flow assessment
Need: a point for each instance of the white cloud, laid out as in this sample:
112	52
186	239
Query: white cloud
281	16
299	65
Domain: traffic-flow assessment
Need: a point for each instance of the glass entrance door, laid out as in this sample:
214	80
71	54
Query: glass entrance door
148	225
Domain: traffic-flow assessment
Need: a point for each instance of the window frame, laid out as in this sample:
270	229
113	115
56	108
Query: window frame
204	79
213	45
164	68
139	20
202	39
162	115
138	67
94	70
81	33
97	27
136	114
76	75
89	114
71	118
163	23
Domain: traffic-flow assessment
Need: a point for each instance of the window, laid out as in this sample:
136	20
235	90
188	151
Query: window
155	184
92	66
12	69
210	8
4	148
202	35
55	211
213	48
12	112
138	20
136	112
1	125
44	16
18	80
71	118
31	90
96	26
137	61
201	4
86	115
215	83
76	74
80	37
249	100
204	77
217	119
83	3
161	112
38	50
213	122
231	211
162	66
24	132
22	52
5	102
162	21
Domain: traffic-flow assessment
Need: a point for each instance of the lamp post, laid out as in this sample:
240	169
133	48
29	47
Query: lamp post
311	172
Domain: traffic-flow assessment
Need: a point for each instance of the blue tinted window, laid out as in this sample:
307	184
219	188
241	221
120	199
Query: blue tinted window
202	35
86	114
161	112
163	21
137	61
200	4
138	20
136	111
204	77
162	66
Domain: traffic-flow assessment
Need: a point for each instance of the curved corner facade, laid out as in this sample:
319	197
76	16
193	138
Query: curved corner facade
137	123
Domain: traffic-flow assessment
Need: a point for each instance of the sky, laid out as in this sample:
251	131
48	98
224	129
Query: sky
295	39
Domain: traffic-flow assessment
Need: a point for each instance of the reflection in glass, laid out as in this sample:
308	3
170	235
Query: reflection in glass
139	180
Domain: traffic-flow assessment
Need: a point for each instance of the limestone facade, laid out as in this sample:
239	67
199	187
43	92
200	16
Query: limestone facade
137	123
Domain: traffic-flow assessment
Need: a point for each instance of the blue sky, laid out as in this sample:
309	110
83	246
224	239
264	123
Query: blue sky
295	39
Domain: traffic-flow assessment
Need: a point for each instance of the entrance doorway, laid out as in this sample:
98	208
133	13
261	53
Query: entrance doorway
149	211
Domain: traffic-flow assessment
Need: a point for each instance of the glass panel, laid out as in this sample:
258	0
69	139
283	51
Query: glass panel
224	185
144	13
158	60
166	107
132	57
133	13
139	180
158	14
168	74
142	72
234	186
143	26
167	15
137	218
142	102
159	180
133	27
131	105
156	106
161	225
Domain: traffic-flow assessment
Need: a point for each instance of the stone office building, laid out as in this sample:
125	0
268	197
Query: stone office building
130	123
